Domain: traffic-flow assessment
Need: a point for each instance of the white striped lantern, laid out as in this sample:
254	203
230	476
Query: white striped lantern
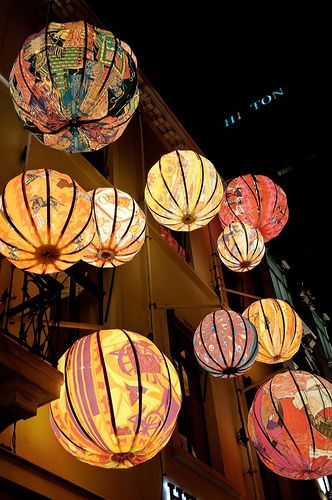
225	344
279	329
183	191
241	246
119	228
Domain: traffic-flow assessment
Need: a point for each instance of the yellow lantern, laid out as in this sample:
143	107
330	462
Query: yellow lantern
279	329
45	221
119	228
119	404
241	246
183	191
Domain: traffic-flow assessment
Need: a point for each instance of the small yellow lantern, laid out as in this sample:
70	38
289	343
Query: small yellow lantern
183	191
279	329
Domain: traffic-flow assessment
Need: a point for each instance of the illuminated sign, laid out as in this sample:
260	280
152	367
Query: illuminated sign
172	492
254	106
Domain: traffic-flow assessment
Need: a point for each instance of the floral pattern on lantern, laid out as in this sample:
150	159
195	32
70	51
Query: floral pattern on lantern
225	344
290	425
241	246
74	86
119	404
258	200
45	221
183	191
119	228
279	329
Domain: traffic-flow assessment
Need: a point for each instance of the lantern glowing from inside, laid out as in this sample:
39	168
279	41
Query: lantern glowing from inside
183	191
279	329
241	246
119	404
74	86
225	344
290	425
45	221
258	200
119	228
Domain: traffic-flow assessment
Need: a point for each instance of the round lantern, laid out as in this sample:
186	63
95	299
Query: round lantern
183	191
74	86
45	221
279	329
119	228
119	404
225	344
290	425
258	200
241	246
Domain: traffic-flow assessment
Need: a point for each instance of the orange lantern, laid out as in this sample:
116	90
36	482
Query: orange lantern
119	228
279	329
183	191
74	86
241	246
119	404
45	221
290	425
258	200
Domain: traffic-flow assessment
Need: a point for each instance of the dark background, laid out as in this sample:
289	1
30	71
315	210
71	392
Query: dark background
208	62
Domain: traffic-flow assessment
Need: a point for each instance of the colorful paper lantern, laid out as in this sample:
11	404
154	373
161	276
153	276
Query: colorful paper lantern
74	86
279	329
258	200
45	221
183	191
119	404
290	425
119	228
225	344
241	246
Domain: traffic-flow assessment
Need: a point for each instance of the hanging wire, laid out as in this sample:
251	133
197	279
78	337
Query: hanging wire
14	439
49	7
26	153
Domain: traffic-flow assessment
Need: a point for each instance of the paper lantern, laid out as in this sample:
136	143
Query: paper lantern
225	344
279	329
183	191
258	200
290	425
119	228
45	221
241	246
74	86
119	404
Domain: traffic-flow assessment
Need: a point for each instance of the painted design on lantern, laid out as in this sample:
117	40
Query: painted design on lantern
114	411
45	221
282	425
225	344
255	199
119	228
75	86
183	191
279	329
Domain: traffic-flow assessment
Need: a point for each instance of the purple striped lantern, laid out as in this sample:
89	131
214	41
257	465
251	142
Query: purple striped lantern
120	400
225	344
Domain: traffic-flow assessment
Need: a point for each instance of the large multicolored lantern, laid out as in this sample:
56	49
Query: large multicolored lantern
241	246
74	86
45	221
225	344
290	425
258	200
119	404
279	329
183	191
119	228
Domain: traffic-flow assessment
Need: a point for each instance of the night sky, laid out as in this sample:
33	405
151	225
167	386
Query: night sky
208	65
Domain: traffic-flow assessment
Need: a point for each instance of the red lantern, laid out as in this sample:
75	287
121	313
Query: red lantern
225	344
290	425
258	200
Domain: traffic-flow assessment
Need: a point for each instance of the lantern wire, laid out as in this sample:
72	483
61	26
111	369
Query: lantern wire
26	153
50	2
14	439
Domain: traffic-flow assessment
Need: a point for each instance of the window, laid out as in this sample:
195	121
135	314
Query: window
279	280
179	241
323	335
